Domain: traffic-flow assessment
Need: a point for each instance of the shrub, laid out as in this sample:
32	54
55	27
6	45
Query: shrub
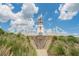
62	38
56	49
1	31
72	51
64	45
5	51
20	45
71	39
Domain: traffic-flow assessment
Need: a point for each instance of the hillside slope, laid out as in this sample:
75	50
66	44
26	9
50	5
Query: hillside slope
15	44
64	46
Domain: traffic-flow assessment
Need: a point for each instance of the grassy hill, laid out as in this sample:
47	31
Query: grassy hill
19	45
15	44
64	46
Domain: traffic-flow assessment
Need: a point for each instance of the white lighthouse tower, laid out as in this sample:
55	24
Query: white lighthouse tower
40	29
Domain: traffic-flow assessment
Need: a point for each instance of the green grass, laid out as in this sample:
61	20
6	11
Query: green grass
16	45
64	46
19	45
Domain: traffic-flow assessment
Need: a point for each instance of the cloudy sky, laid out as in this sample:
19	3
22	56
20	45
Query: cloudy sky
57	17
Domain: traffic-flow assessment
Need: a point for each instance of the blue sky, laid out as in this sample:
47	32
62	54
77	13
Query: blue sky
48	11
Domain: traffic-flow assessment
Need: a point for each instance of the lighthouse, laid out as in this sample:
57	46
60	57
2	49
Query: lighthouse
40	29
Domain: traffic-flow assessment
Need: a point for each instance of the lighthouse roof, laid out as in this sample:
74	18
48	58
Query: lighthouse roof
40	19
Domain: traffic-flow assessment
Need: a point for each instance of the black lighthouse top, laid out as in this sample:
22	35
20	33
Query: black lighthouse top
40	20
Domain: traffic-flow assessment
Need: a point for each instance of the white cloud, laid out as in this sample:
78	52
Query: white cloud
56	11
10	5
49	31
68	11
67	16
56	31
49	19
60	7
20	22
59	30
28	10
5	13
22	26
24	21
